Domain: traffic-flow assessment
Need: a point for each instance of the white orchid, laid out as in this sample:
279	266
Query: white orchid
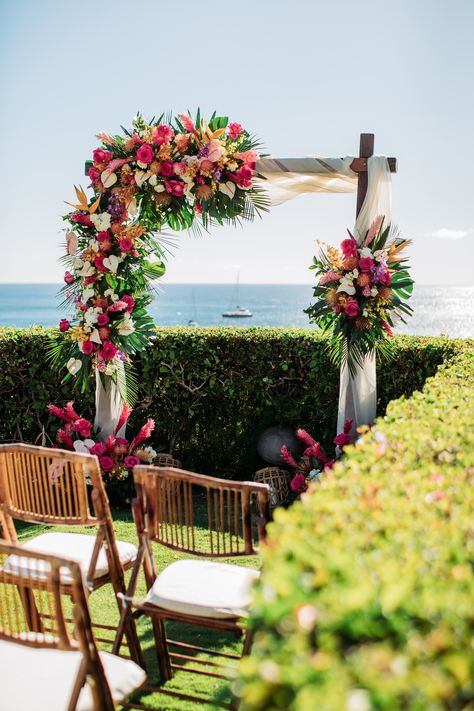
74	365
101	221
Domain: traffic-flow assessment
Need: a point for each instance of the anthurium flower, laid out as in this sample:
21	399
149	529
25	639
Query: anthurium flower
112	262
71	243
108	179
227	189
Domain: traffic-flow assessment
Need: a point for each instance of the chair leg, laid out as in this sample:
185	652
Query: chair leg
247	643
162	654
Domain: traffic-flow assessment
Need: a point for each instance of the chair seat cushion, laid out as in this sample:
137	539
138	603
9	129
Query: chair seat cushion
50	675
75	546
204	588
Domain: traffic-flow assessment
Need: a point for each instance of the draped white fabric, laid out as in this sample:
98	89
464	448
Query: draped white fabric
289	177
108	408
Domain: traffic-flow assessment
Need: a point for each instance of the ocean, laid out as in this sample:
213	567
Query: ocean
438	310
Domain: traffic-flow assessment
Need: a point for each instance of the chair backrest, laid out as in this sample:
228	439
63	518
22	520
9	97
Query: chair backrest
32	615
47	485
201	514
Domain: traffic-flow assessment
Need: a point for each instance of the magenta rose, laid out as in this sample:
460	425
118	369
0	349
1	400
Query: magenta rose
244	176
82	426
109	350
125	244
298	484
64	325
352	308
98	449
130	301
94	174
99	264
103	236
122	441
131	462
163	134
101	155
174	187
385	278
102	320
366	264
145	154
106	463
87	347
167	168
235	129
349	248
68	278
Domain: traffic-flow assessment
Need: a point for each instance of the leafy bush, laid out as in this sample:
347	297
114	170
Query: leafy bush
211	391
366	598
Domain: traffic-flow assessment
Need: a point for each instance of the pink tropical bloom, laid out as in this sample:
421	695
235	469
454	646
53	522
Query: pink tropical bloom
247	156
352	308
89	280
235	129
106	463
175	187
243	177
81	219
94	174
131	462
188	124
180	168
144	433
182	141
342	439
98	449
109	350
374	230
125	244
349	248
305	437
101	155
145	154
330	464
63	413
130	301
163	134
124	415
68	278
64	325
317	452
347	426
386	327
287	457
366	291
102	320
104	333
298	484
82	426
117	306
384	277
99	264
330	276
366	264
167	168
64	438
122	441
87	347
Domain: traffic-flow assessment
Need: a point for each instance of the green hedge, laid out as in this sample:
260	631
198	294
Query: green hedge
366	602
211	391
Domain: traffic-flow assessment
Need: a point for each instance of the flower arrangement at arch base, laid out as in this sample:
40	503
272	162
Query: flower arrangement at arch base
174	173
361	294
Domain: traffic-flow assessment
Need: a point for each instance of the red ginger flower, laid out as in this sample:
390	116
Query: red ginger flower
317	452
188	124
64	438
342	439
64	413
305	437
287	456
124	415
144	434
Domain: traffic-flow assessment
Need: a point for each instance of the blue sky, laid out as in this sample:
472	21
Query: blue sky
307	76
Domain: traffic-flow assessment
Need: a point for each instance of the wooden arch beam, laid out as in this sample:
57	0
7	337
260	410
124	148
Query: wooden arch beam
359	165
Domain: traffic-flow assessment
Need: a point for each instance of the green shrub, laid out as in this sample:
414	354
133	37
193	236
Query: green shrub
211	391
366	601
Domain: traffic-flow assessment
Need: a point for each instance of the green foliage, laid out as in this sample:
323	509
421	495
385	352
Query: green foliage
210	391
366	600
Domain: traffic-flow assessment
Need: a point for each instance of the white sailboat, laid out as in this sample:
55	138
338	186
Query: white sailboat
239	311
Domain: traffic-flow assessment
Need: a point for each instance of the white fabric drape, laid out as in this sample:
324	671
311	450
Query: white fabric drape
289	177
108	408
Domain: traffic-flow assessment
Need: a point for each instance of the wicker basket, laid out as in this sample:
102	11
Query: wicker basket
278	480
166	460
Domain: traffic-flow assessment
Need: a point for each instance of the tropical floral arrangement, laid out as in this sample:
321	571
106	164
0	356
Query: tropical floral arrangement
314	459
117	455
361	293
159	173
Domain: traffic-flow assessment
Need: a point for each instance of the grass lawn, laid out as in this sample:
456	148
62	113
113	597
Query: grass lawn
104	610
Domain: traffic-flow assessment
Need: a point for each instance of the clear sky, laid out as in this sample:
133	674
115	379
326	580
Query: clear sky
307	76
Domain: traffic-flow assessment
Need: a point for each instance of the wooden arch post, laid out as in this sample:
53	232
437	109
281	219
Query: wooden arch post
359	166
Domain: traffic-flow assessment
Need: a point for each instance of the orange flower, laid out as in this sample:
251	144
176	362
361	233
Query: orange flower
162	199
204	192
364	279
349	263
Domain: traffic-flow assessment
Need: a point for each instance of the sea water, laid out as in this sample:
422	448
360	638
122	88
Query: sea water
438	310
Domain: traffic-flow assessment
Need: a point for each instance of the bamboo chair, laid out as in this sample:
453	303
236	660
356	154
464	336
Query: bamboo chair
43	485
196	592
51	669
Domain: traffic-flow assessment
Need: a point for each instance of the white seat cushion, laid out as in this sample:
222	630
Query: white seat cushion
50	675
204	588
67	545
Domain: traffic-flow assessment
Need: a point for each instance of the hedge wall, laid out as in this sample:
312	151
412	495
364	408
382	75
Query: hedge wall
366	602
211	391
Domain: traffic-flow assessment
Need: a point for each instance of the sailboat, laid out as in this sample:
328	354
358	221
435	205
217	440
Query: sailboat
193	321
239	311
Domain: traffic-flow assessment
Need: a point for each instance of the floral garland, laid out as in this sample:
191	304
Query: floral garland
361	293
158	173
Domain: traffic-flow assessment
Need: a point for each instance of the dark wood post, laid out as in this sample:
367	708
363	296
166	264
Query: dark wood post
366	149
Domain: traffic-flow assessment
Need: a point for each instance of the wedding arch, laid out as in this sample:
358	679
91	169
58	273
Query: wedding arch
177	171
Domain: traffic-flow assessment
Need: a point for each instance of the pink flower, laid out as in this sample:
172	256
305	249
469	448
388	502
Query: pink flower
64	438
347	426
101	155
131	462
122	441
248	157
366	291
305	437
342	439
87	347
67	413
94	174
349	248
101	302
180	168
117	306
374	230
182	141
145	154
235	129
329	465
104	333
385	278
352	308
103	236
287	457
99	264
386	327
122	420
98	449
125	244
188	124
244	176
366	264
102	320
198	208
68	278
167	168
106	463
329	276
175	187
82	426
109	350
317	452
298	484
163	134
81	219
144	433
64	325
90	280
129	300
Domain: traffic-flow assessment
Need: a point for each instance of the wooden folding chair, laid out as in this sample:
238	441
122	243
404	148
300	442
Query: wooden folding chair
50	486
196	591
52	669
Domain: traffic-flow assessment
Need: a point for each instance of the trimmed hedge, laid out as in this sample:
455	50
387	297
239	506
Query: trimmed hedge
211	391
366	602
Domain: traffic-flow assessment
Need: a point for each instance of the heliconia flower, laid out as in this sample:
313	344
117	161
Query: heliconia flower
124	415
144	434
188	124
347	426
373	230
298	484
287	457
305	437
235	129
329	276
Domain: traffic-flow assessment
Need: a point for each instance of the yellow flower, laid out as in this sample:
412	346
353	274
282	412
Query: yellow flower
165	151
77	334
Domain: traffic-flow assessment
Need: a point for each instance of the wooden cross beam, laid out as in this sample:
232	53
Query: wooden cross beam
359	166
